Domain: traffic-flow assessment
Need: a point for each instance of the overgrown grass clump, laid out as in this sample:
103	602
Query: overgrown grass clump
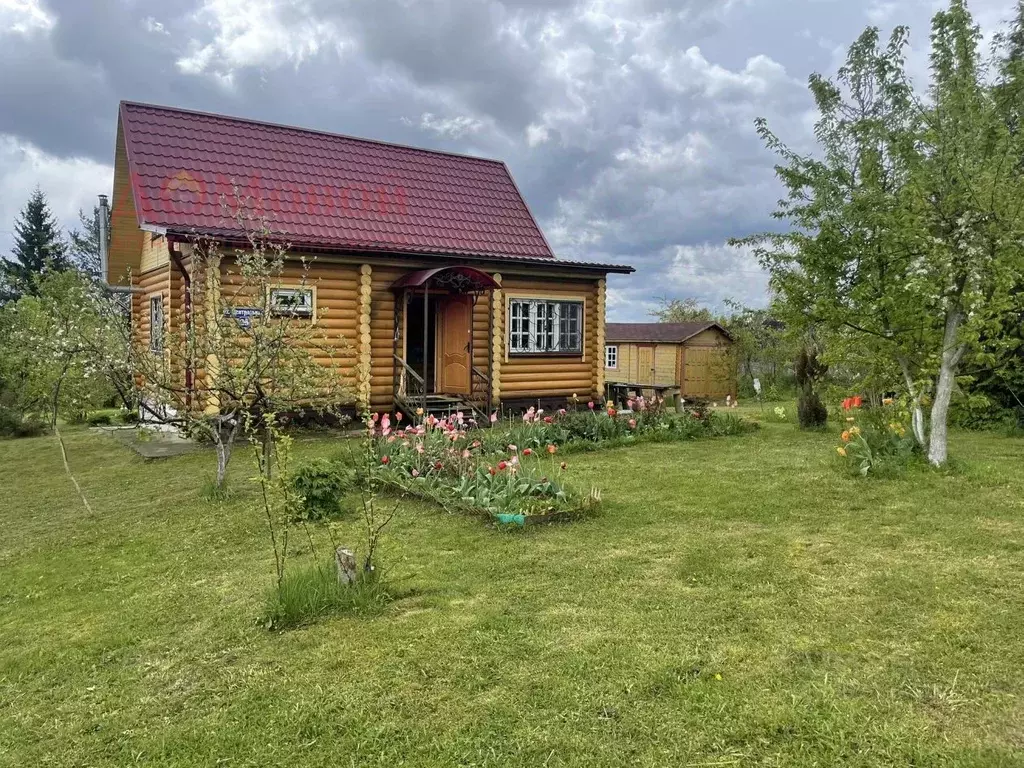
313	591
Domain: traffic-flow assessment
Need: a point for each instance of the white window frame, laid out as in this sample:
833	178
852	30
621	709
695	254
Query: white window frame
545	326
156	323
305	309
611	356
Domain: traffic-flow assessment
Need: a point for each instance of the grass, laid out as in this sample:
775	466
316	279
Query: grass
738	602
312	591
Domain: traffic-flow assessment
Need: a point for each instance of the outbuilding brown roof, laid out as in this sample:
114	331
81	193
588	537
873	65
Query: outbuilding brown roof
323	190
658	333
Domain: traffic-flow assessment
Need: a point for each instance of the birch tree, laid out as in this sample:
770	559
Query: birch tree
905	237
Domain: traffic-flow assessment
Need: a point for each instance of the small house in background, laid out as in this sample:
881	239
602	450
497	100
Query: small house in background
693	360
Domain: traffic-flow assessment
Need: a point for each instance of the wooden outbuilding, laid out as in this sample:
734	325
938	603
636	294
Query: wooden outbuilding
428	267
690	359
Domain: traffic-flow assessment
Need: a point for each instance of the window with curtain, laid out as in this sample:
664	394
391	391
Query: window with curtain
538	326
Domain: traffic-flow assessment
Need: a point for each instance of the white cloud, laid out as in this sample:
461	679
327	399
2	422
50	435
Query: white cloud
536	134
881	11
24	17
69	184
658	154
254	33
690	71
450	127
153	26
713	272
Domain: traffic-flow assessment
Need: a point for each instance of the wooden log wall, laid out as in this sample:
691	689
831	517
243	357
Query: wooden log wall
527	376
336	315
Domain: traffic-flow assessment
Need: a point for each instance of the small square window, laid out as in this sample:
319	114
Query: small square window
611	356
291	302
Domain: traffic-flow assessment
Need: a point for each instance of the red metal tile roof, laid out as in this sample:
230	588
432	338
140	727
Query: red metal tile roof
322	190
664	333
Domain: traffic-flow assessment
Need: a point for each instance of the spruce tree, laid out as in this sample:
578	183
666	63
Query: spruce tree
38	249
85	243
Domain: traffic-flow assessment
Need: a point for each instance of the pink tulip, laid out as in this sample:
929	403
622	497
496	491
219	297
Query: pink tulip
494	417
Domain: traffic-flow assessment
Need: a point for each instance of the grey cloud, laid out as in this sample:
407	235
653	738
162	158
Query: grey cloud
627	123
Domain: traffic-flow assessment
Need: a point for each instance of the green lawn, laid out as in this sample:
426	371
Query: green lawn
738	602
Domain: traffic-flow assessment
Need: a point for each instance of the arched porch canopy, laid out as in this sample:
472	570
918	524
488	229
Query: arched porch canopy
454	279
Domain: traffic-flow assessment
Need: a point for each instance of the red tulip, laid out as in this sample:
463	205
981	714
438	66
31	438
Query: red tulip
527	451
385	460
502	465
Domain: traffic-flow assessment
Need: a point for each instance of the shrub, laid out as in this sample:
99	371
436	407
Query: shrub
977	411
321	484
313	591
810	410
14	424
100	419
811	413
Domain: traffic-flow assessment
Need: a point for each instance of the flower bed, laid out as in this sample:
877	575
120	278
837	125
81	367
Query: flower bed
876	440
513	472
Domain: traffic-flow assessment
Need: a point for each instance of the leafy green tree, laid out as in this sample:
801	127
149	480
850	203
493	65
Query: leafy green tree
761	345
682	311
38	249
906	228
48	348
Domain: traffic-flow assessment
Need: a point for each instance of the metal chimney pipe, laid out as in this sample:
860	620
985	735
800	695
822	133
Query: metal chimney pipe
101	228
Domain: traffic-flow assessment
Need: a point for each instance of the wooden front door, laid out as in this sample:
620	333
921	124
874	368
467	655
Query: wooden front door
453	349
645	364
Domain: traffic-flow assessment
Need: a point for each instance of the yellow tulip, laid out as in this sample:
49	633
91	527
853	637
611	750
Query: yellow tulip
841	451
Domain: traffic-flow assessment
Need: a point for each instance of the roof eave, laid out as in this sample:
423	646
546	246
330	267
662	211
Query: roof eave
516	260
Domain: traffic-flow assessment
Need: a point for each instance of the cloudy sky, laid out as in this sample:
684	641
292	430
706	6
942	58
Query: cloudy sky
628	124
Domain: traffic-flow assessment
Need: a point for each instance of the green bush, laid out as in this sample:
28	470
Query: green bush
101	418
310	592
978	412
322	484
14	424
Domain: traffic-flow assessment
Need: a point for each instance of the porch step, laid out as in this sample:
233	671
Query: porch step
440	405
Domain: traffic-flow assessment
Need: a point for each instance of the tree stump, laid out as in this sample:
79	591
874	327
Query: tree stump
345	561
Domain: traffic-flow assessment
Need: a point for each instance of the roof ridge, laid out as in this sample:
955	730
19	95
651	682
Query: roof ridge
315	131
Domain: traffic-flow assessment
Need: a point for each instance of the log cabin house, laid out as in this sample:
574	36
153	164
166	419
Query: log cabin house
689	359
429	264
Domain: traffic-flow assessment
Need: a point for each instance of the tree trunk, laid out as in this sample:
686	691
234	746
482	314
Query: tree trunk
223	457
916	412
951	354
268	452
345	561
